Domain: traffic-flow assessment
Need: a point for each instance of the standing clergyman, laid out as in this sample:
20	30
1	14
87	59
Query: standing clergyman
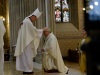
27	43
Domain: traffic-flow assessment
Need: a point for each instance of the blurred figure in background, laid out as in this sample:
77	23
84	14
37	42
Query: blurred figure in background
2	32
82	54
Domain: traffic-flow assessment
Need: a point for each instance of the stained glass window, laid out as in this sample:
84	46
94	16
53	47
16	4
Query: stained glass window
61	11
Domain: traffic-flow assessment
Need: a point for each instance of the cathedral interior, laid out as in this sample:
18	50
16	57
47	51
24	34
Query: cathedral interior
66	28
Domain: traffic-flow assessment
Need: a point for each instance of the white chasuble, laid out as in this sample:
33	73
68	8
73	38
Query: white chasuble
52	58
2	32
27	44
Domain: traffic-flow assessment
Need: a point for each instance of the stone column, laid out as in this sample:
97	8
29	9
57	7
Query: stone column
81	14
51	15
42	20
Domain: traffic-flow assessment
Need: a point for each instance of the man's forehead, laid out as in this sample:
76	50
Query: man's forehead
34	15
46	28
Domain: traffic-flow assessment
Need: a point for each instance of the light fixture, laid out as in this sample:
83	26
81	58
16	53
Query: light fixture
96	3
83	8
1	17
91	6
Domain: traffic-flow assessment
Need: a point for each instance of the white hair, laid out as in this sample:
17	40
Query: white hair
46	29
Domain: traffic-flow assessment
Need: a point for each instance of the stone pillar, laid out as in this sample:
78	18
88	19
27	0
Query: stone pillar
42	19
81	14
51	15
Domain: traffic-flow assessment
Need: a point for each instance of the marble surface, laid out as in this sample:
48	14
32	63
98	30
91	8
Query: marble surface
9	69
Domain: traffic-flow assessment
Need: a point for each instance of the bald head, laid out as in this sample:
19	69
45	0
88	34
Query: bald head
46	31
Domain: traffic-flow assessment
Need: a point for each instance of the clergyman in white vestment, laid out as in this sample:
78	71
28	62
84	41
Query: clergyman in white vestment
27	43
2	32
52	58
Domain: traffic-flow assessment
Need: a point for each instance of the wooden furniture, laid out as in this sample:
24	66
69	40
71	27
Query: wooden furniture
6	57
73	55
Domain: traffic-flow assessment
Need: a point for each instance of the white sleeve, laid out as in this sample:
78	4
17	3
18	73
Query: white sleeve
40	31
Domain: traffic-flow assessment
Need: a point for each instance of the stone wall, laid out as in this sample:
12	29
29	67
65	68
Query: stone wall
69	40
